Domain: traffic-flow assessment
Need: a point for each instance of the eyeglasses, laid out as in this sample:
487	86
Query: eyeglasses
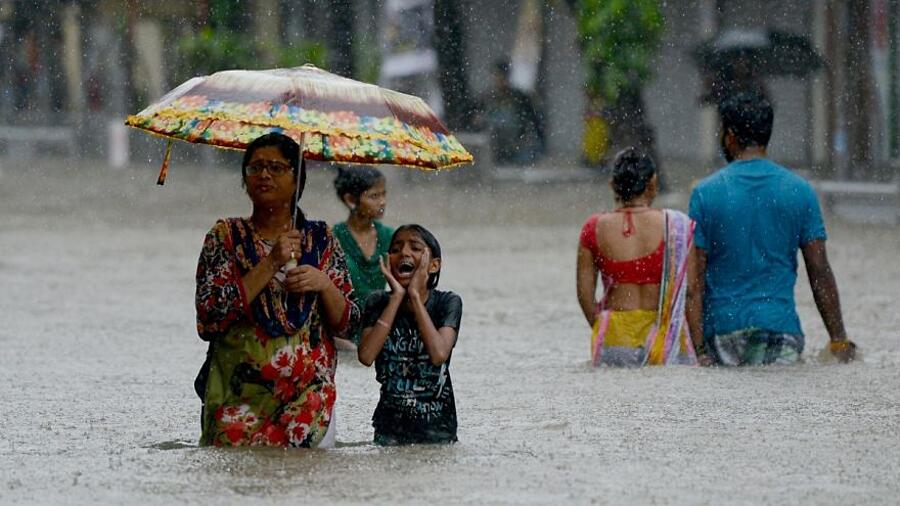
273	168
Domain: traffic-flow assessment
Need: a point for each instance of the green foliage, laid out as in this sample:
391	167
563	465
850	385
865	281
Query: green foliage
304	51
618	41
367	54
226	14
211	50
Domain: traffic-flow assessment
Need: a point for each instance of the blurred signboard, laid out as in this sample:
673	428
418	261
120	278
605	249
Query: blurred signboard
525	60
407	37
409	61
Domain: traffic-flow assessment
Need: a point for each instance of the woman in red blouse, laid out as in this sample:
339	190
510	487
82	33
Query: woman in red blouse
643	258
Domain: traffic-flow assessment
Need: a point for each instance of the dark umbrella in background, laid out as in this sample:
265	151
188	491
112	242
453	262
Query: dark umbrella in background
768	52
738	59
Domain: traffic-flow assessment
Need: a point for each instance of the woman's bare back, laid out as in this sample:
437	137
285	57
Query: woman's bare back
647	225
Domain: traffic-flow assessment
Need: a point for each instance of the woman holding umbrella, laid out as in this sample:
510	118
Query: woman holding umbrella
269	374
268	378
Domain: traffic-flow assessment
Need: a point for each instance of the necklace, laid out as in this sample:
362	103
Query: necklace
269	234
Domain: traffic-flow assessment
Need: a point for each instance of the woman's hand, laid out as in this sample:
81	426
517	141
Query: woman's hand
287	243
306	278
418	285
397	289
705	360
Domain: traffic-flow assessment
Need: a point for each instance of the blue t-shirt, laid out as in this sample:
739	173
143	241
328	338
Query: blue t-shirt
752	216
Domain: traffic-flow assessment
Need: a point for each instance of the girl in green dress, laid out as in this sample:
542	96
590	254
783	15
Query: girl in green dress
362	237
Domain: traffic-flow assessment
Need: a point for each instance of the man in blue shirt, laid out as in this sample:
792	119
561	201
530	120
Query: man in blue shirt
752	216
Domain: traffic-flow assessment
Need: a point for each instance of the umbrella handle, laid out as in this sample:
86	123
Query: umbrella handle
301	171
292	263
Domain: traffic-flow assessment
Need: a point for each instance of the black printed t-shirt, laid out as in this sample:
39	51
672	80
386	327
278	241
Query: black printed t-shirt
417	404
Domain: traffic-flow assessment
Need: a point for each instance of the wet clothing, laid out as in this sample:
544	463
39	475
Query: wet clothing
269	372
645	270
417	403
757	347
650	337
625	336
364	272
752	217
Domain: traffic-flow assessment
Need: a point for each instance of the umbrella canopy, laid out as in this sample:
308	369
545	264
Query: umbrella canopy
332	117
765	52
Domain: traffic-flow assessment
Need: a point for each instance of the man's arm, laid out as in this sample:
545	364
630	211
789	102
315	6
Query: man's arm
825	293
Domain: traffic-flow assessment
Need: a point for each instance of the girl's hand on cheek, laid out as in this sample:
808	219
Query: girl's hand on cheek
418	285
397	289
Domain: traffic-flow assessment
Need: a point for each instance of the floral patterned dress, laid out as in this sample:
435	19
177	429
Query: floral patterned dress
268	378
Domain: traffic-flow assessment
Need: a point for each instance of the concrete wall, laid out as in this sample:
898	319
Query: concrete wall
564	85
672	97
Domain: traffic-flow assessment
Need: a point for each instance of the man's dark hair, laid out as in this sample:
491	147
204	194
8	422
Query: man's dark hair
749	117
431	241
355	180
632	172
501	66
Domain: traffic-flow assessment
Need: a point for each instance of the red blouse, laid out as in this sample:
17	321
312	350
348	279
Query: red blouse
645	270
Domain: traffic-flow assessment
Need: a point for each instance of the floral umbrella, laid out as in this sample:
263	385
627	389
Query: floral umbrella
332	118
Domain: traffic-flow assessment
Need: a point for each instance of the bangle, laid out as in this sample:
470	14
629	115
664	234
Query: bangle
383	323
839	346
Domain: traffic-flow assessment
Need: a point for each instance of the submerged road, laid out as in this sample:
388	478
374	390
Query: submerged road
99	353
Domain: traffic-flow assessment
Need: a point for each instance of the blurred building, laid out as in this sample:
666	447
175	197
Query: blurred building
80	64
817	117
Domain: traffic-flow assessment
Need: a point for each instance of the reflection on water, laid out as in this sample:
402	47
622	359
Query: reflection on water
99	355
172	445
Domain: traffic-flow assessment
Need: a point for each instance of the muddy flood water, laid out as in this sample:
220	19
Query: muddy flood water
99	352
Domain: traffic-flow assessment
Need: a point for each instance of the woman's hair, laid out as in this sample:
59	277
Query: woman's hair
632	172
288	147
430	241
355	180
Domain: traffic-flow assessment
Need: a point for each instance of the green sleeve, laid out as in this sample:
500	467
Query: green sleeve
385	233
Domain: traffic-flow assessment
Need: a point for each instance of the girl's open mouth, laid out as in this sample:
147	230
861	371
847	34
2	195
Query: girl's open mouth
406	267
